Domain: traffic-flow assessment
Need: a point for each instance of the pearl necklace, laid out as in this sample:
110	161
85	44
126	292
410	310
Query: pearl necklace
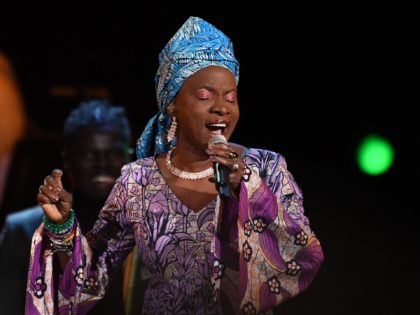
186	175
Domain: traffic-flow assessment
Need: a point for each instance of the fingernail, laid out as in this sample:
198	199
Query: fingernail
57	172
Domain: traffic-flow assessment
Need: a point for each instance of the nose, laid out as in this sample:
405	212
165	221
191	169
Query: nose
102	161
220	106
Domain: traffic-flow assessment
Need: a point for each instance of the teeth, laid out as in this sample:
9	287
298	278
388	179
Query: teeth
217	125
104	179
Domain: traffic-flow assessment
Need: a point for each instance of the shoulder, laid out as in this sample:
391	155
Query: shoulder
27	220
272	168
264	159
259	158
134	171
144	163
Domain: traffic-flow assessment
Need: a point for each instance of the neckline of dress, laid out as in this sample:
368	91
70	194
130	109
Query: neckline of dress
213	201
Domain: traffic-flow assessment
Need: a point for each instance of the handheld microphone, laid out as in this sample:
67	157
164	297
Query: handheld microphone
221	172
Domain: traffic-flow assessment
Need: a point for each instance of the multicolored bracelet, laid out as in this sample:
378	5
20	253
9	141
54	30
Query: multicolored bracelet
61	235
59	228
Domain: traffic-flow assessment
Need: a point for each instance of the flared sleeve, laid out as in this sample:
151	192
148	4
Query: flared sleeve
279	253
93	261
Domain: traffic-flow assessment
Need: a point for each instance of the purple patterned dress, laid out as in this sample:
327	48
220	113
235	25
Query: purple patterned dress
256	253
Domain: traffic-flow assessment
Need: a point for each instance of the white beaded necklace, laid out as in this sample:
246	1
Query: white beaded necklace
186	175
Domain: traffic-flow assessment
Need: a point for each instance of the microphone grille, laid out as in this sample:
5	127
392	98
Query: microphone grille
217	139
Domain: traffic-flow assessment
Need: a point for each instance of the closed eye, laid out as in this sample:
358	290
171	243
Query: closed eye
204	94
231	97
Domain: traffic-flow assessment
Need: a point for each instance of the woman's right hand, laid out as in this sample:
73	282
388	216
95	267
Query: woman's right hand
54	199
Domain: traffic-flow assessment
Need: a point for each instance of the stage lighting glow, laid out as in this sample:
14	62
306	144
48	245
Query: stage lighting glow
375	155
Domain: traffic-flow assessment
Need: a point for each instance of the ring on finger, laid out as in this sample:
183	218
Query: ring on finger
235	167
233	156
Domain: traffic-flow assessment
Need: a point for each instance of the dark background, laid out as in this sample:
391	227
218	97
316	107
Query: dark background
313	83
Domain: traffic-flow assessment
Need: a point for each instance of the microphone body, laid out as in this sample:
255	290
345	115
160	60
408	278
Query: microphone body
221	172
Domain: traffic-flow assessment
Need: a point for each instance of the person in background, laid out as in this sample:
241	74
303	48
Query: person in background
96	140
242	249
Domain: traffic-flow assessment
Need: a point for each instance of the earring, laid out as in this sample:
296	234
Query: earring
172	129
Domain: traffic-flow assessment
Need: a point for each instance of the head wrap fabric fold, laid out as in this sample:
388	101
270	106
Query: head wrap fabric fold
195	46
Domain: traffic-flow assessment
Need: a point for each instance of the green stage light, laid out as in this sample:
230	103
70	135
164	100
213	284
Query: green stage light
375	155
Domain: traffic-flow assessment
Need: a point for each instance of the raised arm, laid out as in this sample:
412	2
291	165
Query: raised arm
92	260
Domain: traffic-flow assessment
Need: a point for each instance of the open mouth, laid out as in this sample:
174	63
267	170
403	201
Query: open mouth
216	128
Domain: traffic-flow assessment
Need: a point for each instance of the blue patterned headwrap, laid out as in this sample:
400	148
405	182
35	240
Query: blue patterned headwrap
195	46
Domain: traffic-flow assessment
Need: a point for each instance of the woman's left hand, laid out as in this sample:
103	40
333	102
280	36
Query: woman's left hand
226	155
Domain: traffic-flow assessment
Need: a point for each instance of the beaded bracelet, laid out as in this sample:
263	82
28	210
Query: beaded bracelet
59	228
61	235
65	244
63	238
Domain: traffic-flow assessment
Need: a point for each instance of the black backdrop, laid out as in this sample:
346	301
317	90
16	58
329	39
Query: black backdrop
313	83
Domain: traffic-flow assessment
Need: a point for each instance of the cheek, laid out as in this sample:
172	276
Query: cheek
85	167
235	114
117	164
193	119
233	120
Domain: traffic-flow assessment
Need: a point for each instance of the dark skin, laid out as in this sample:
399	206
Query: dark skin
93	161
207	97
